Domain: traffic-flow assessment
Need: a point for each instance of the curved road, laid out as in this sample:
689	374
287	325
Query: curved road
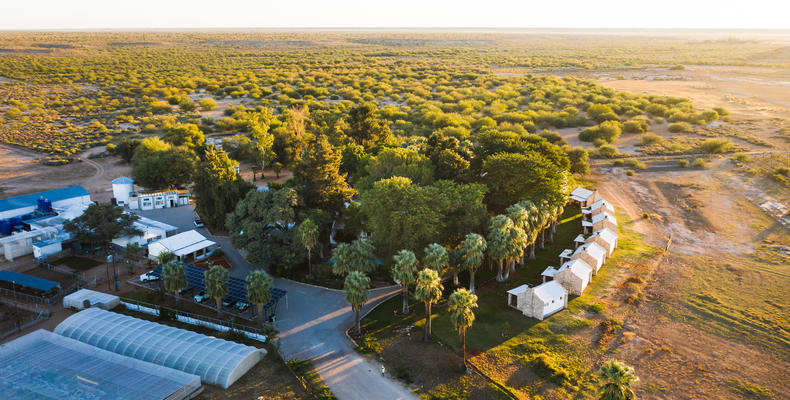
312	325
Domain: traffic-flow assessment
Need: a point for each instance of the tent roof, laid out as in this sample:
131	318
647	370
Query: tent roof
517	290
579	238
31	199
581	193
28	281
566	253
549	290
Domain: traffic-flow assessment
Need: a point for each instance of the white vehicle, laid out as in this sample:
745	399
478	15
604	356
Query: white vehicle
148	277
200	297
242	305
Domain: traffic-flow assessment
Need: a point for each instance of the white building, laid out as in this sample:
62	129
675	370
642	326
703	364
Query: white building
592	254
604	238
59	199
155	199
152	231
601	206
584	197
189	245
540	301
604	220
122	189
574	276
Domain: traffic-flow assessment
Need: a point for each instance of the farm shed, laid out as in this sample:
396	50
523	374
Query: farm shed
58	198
216	361
574	276
540	301
189	245
601	206
155	199
77	300
45	365
28	284
592	254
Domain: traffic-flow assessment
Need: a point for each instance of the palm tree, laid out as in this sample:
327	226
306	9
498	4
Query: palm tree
558	211
429	291
545	212
259	290
436	258
216	280
520	217
617	378
533	225
174	276
308	235
165	257
404	272
356	288
355	256
460	305
506	242
473	250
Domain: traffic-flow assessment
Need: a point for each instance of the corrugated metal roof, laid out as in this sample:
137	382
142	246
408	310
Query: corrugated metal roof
27	280
582	193
28	200
178	243
550	290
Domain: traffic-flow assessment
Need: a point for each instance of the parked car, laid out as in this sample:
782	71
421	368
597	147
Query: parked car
226	302
242	305
148	277
184	290
198	223
200	297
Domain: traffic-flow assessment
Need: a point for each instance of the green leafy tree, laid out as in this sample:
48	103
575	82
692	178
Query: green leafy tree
356	288
259	290
580	160
429	291
184	135
258	126
399	161
262	224
174	276
216	279
165	257
308	235
617	379
513	177
100	224
159	165
218	188
319	179
472	255
365	127
404	272
358	255
126	149
461	305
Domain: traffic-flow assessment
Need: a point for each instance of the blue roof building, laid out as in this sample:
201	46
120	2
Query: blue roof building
60	198
27	281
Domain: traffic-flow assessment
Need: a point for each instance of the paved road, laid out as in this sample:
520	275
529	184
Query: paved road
313	326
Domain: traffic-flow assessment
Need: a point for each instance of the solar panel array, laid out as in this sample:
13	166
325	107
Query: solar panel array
237	288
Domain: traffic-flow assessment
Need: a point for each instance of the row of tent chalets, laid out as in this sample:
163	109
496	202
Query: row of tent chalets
578	265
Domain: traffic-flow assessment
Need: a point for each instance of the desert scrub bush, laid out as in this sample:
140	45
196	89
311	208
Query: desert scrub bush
678	67
207	104
635	164
700	163
750	390
607	130
609	328
651	138
741	157
683	163
679	127
629	172
597	308
715	146
618	163
636	125
608	151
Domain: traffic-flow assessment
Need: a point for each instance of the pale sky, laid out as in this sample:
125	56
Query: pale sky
131	14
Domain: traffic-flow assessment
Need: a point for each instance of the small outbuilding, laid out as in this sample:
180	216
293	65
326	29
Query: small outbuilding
601	206
152	231
604	220
604	238
584	197
86	298
592	254
574	276
540	301
187	246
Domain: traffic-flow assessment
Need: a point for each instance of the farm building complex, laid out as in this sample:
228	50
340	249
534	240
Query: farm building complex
125	195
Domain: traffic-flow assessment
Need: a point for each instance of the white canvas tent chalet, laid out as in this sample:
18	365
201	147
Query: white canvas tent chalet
604	238
604	220
584	197
601	206
574	276
186	246
540	301
592	254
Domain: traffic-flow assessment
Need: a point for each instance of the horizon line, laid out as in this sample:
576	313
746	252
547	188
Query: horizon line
397	28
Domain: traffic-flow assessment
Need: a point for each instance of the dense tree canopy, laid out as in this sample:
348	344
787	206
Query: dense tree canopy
101	223
318	177
513	177
218	188
159	165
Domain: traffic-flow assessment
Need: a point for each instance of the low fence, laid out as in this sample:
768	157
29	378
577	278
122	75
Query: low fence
24	323
28	298
194	319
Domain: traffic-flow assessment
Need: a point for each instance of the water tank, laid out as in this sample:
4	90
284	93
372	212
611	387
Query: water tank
121	189
44	205
5	227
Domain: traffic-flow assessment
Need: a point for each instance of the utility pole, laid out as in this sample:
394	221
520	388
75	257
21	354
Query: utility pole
16	307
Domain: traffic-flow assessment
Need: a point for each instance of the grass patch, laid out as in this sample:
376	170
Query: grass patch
310	379
78	263
750	390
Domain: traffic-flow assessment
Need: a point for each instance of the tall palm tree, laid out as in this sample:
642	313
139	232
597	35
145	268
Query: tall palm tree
308	235
436	258
404	272
216	280
617	378
429	291
356	288
544	213
355	256
259	290
517	242
533	225
505	243
558	211
520	217
460	305
174	276
473	250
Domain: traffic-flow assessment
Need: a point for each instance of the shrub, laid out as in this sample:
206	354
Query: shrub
678	67
683	163
629	172
607	130
699	163
618	163
636	125
207	104
715	146
678	127
634	163
597	308
741	157
721	111
656	110
607	151
651	138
